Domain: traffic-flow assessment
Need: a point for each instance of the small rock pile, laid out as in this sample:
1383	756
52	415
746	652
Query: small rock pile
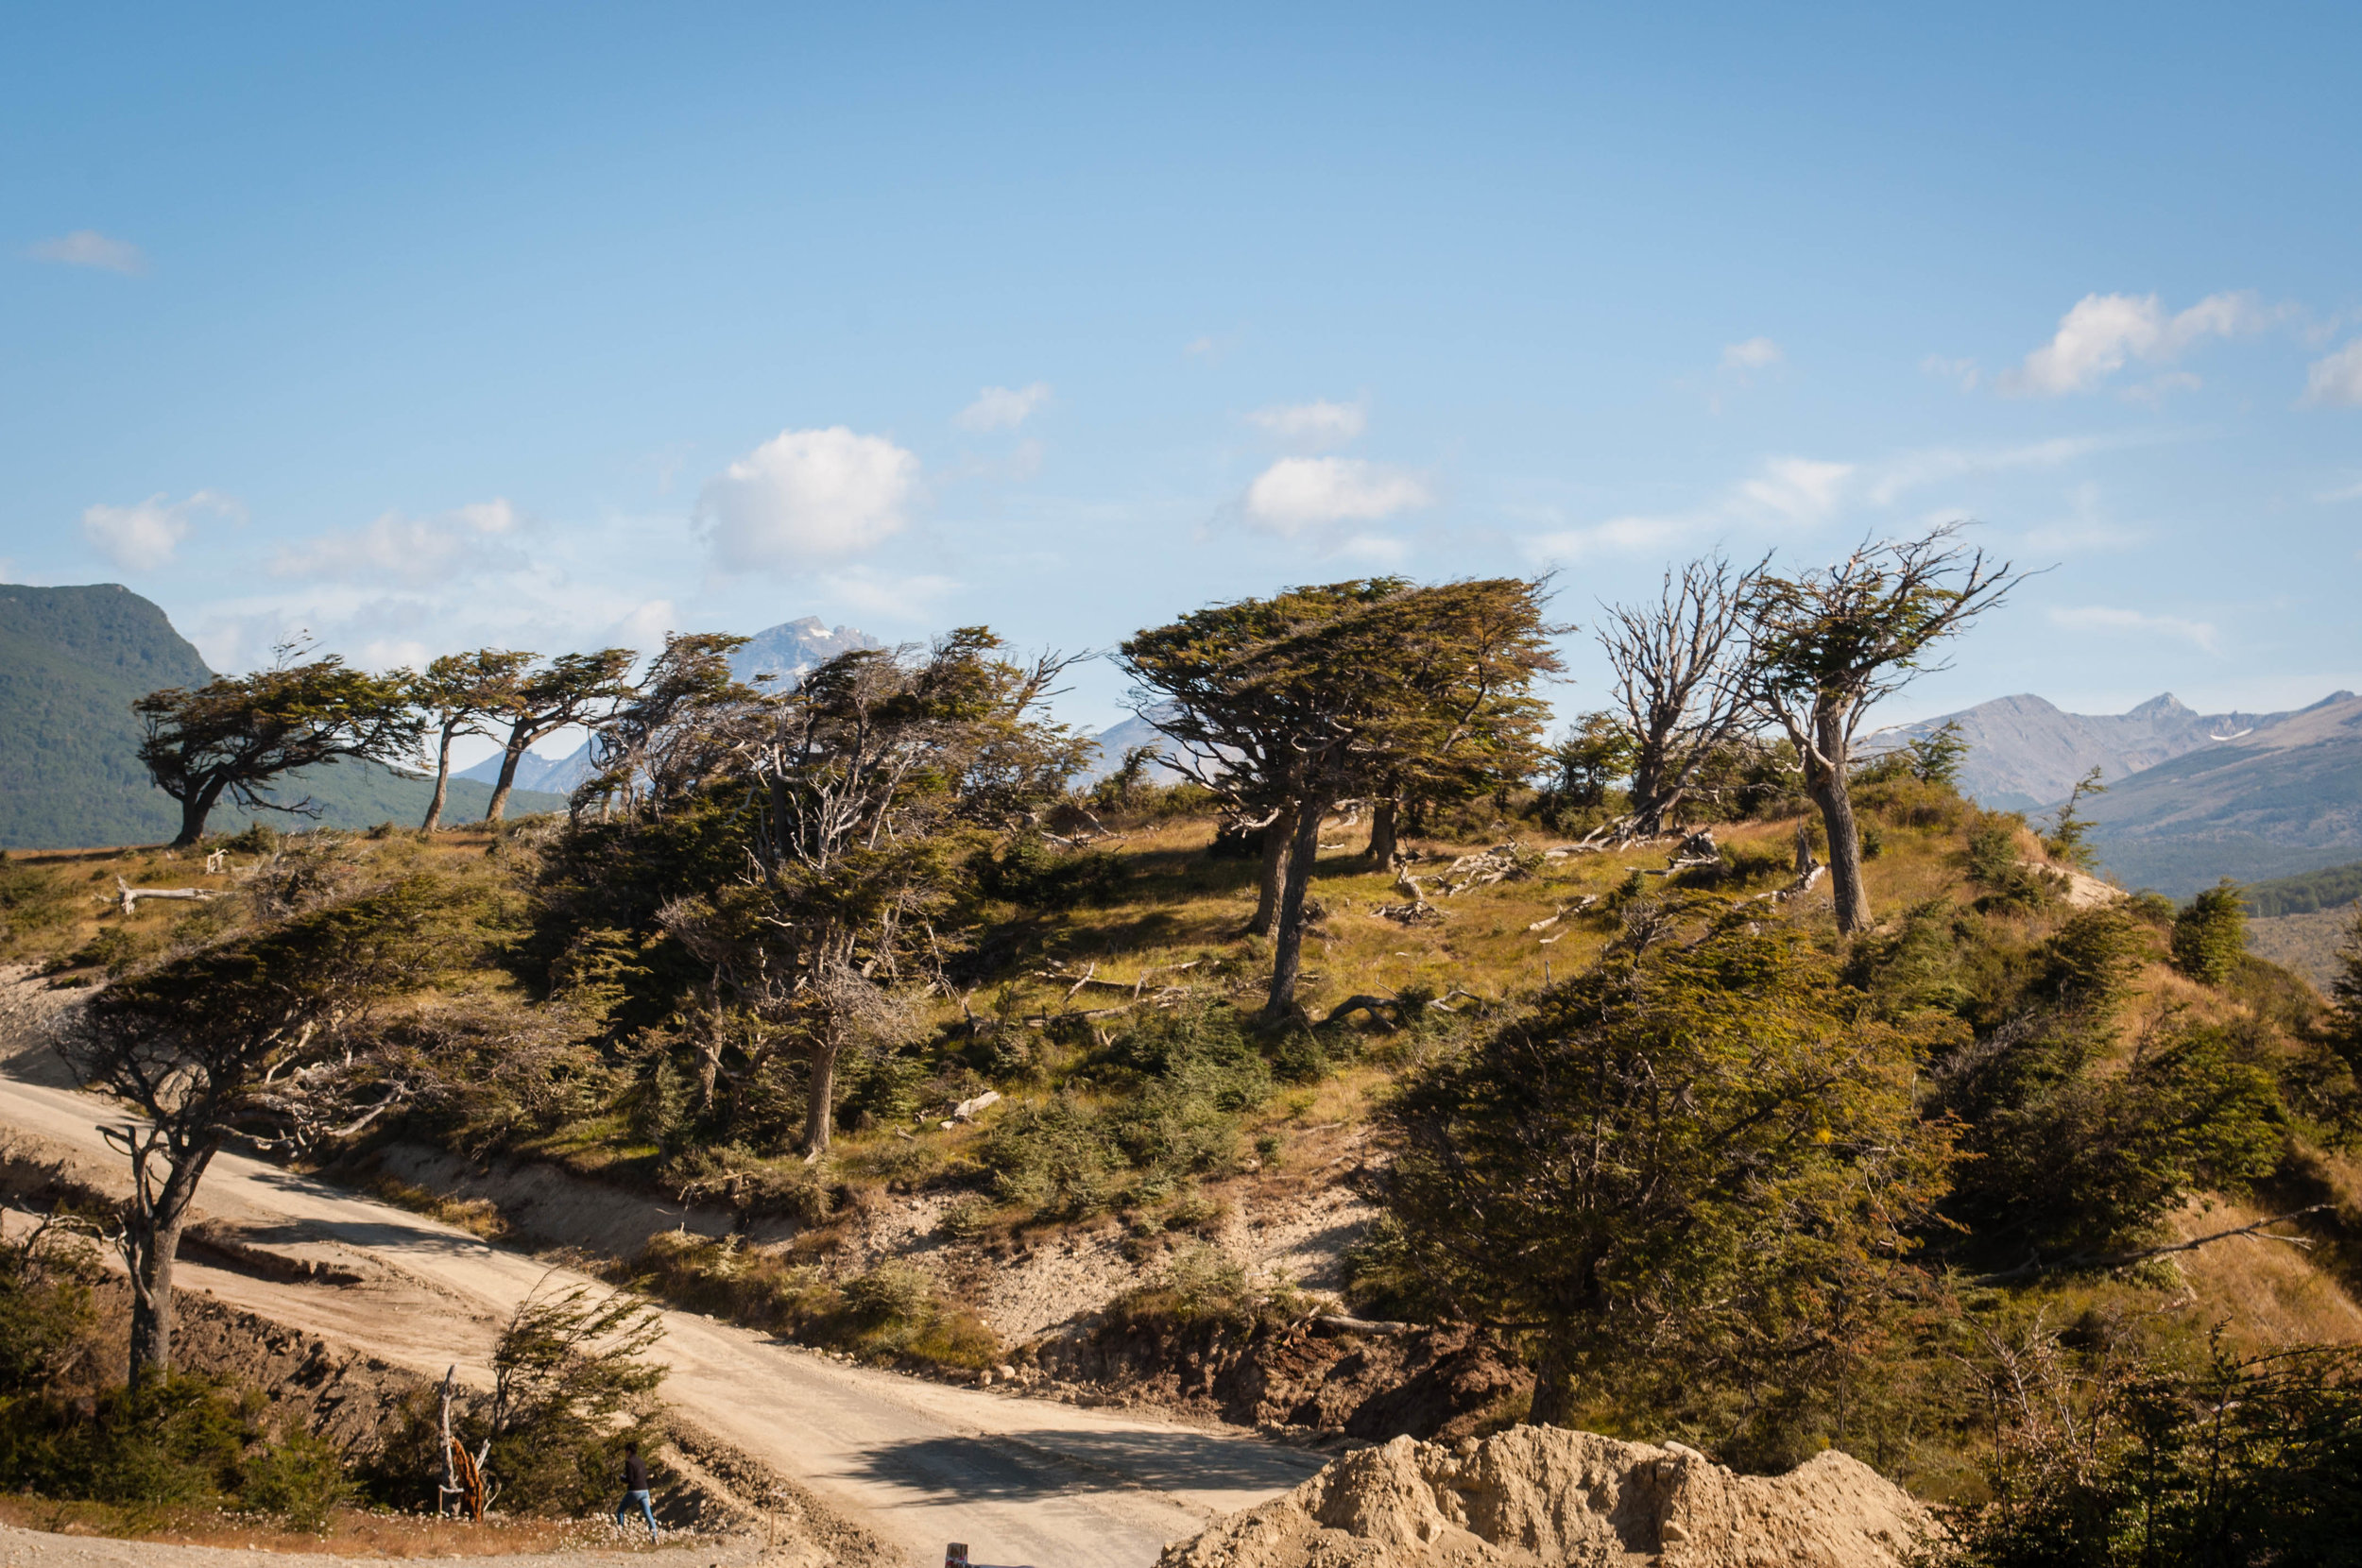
1538	1494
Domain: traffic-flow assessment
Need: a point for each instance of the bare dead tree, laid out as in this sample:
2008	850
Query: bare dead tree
1677	681
1826	646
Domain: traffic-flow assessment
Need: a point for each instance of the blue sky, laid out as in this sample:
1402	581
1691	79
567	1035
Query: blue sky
424	328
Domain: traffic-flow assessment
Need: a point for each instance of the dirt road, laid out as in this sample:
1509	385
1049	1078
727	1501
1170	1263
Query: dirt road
1020	1480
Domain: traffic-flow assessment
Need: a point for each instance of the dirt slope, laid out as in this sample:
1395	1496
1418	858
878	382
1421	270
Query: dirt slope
1020	1480
1536	1493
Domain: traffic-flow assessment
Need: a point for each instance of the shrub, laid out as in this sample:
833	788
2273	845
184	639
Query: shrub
2210	934
299	1482
1033	874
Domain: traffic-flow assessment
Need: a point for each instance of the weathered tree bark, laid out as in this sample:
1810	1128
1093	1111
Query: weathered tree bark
1826	785
1382	835
194	811
1274	874
820	1098
510	756
157	1214
443	786
1554	1386
1288	941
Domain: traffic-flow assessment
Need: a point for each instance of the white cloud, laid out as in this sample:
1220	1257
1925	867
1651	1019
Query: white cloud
2105	332
644	628
1299	493
806	496
1002	408
1757	353
2337	378
1319	423
1373	549
2347	492
88	248
1631	536
143	537
395	550
1797	490
2105	618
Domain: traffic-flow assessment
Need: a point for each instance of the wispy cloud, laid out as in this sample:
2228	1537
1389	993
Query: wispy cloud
408	552
2105	332
906	599
2337	378
1910	470
2107	617
1961	372
1319	423
1757	353
144	535
88	248
1002	408
1784	495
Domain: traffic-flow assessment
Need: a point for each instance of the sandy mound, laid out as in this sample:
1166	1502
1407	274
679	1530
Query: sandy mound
1537	1494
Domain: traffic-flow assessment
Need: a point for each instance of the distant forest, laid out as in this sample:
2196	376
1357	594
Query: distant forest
2326	889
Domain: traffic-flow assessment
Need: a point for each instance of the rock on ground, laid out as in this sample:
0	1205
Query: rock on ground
1538	1494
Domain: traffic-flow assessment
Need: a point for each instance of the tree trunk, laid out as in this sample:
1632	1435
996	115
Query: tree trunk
1553	1385
819	1098
1829	792
442	786
152	1232
1288	941
1383	840
194	810
1274	871
518	740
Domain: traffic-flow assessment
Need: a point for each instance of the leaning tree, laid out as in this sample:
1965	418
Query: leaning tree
264	1038
237	734
1287	705
1824	647
455	696
862	793
572	688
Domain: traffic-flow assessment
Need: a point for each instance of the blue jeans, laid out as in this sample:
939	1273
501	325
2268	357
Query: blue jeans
647	1511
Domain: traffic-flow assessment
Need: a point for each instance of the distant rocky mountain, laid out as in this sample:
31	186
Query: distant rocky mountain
72	662
1117	739
786	653
2025	754
2280	798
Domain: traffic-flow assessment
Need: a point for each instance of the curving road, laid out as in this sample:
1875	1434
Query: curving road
1020	1480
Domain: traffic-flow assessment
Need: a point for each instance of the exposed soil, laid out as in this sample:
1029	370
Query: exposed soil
1307	1377
1537	1493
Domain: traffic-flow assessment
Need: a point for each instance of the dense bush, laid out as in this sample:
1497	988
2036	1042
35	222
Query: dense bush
896	1313
2210	934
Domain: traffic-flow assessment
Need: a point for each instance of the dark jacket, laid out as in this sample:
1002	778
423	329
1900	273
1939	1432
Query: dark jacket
635	1473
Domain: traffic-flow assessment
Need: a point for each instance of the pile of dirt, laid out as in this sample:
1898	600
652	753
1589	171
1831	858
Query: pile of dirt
1540	1494
1312	1376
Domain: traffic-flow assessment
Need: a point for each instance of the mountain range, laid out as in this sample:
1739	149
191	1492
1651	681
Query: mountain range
2190	796
72	662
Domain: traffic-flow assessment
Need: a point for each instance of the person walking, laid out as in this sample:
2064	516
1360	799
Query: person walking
635	1489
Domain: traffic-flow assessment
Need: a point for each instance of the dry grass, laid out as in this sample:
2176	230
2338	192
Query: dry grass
2269	1294
351	1532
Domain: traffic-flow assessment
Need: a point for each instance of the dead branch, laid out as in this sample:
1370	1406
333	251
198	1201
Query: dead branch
2125	1260
130	896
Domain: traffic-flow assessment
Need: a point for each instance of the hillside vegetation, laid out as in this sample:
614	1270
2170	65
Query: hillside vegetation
1956	1159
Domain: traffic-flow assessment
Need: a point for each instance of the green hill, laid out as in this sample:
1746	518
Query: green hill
2327	889
72	662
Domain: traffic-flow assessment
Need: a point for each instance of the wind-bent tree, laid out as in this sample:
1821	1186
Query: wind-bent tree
674	733
1692	1173
1825	646
1189	688
868	787
572	688
455	697
1677	681
237	733
1287	705
264	1037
